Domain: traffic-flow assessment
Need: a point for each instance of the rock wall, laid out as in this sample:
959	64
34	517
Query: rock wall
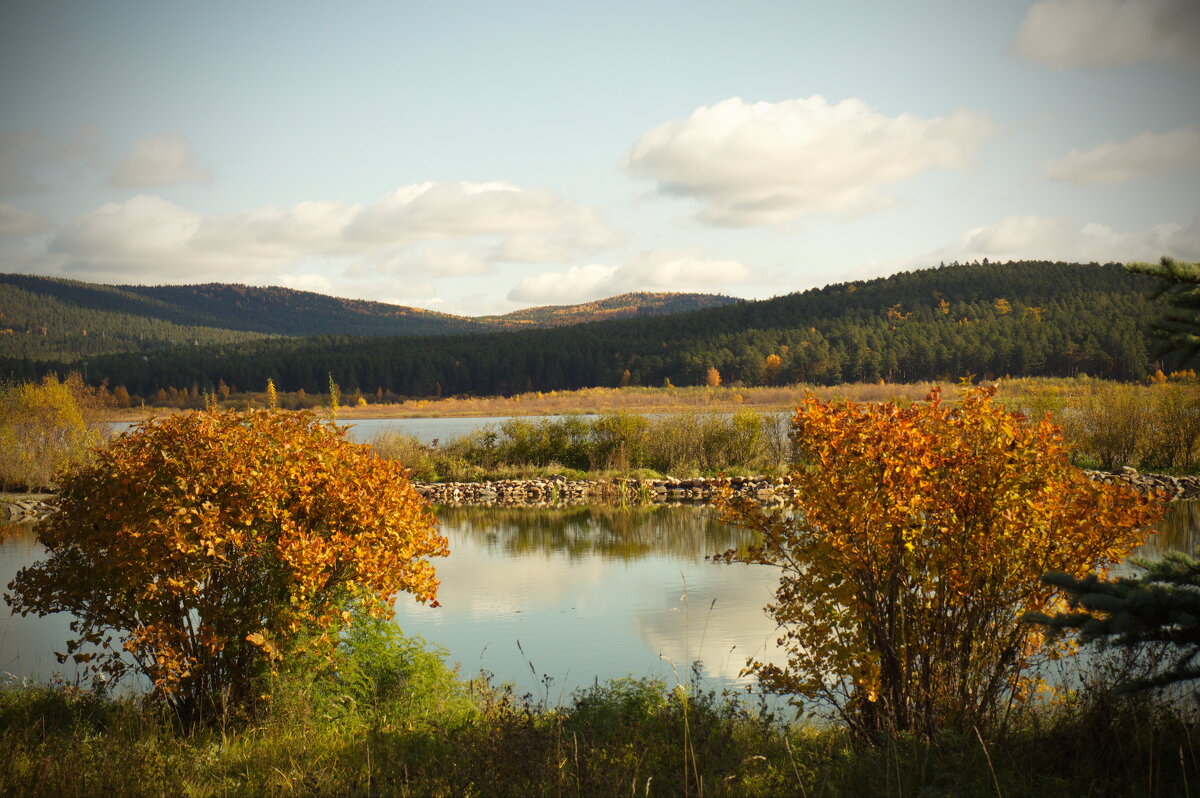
560	490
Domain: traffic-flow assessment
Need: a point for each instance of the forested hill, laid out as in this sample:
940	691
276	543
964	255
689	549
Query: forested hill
1028	318
64	319
52	319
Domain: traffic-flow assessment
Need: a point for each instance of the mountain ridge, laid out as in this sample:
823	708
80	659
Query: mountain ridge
57	318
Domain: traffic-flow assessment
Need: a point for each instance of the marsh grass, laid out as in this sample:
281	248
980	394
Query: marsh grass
1106	424
388	717
624	737
619	444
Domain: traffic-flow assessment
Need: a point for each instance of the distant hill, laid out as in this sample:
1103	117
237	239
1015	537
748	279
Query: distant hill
1020	319
64	320
624	306
45	318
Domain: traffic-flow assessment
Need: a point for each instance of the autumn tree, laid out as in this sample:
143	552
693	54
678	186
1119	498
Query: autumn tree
203	546
910	544
712	377
771	368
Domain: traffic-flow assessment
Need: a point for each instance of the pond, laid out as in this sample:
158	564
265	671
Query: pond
553	599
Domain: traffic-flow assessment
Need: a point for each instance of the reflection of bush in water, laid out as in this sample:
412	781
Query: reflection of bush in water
616	532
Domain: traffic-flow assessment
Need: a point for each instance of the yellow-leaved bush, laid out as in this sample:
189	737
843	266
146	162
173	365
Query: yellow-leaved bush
43	427
911	543
204	546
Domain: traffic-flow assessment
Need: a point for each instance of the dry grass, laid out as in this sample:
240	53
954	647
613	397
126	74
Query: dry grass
1107	423
639	400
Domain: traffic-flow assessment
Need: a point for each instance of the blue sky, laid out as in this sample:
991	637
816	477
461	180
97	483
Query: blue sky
479	157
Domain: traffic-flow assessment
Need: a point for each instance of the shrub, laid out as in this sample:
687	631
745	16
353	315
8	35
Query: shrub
1110	425
1176	431
43	427
211	542
911	544
376	679
620	441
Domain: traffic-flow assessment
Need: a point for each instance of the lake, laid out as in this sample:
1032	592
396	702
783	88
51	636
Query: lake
427	430
574	594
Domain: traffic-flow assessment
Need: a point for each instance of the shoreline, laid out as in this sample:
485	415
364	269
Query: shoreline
559	491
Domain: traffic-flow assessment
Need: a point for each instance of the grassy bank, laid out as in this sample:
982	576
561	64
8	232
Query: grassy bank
628	737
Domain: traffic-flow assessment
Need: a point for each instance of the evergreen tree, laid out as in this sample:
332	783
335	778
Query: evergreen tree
1178	332
1162	606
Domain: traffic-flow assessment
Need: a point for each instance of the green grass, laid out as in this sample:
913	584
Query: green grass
432	734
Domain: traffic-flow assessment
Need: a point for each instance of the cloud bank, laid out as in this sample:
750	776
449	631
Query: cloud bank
1090	33
1144	155
148	236
768	163
1063	238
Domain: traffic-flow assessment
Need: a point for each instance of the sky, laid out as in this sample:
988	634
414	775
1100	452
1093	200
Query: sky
480	157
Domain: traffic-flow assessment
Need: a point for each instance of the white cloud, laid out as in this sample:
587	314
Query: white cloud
1063	238
768	163
157	238
438	261
165	159
1144	155
661	270
1073	33
577	284
529	220
422	262
19	223
145	232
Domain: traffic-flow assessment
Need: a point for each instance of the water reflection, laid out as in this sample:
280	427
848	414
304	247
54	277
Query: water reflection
27	645
1179	530
626	533
577	594
595	593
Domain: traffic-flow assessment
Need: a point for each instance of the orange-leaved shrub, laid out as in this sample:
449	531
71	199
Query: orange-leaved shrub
911	542
204	546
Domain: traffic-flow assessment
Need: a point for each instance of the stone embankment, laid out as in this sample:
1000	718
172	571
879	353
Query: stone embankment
560	490
25	508
1175	488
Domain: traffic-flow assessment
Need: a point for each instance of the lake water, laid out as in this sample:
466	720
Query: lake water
364	430
571	594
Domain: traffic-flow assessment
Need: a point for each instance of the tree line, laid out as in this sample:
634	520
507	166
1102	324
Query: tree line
1020	319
